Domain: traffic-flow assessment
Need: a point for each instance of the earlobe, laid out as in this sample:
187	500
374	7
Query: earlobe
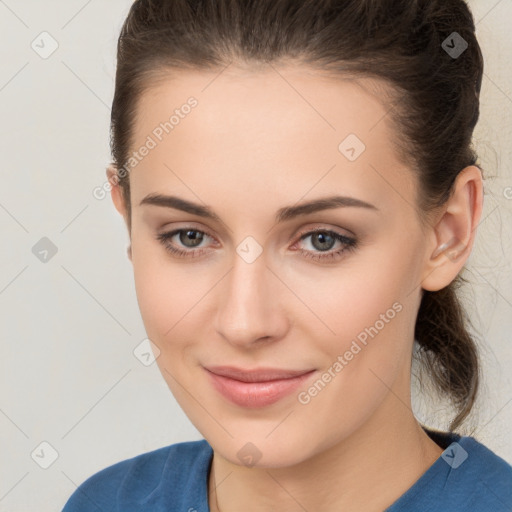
454	233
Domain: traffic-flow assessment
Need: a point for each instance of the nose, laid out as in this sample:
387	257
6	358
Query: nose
251	309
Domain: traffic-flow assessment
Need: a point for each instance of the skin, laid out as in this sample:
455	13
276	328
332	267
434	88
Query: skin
253	145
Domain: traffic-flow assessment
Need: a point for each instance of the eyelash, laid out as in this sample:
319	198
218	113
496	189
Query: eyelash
350	245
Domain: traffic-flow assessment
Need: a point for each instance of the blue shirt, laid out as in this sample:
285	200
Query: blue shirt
466	477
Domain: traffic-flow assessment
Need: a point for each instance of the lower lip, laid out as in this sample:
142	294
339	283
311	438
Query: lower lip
256	394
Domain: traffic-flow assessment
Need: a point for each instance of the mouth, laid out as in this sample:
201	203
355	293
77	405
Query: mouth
257	387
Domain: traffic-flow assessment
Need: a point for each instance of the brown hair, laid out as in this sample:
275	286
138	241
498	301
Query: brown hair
435	104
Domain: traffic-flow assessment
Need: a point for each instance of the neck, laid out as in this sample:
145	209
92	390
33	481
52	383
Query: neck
366	471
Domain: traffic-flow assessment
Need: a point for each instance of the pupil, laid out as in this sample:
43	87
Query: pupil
191	235
323	243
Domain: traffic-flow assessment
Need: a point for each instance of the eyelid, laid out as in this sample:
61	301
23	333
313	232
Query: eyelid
323	226
349	244
319	226
184	226
347	240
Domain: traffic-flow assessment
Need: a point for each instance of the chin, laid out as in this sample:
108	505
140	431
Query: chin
260	450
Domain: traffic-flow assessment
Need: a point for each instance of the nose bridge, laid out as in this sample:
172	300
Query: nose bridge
248	309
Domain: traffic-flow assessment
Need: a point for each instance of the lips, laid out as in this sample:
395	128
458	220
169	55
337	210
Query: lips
257	387
255	375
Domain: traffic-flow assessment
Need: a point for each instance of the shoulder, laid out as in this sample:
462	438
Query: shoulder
483	476
156	478
467	476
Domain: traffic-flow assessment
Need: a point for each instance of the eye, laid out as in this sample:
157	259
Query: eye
322	242
189	237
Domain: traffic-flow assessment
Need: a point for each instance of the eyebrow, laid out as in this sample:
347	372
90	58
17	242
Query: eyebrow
283	214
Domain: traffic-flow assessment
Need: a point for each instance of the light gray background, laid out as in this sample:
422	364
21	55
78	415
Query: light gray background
69	326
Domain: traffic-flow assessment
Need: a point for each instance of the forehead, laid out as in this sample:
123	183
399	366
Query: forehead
284	96
275	129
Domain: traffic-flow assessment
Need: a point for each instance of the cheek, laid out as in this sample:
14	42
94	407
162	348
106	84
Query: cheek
367	314
171	296
156	301
162	291
166	301
158	284
368	354
350	300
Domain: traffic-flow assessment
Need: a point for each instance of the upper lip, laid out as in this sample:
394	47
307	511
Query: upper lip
256	374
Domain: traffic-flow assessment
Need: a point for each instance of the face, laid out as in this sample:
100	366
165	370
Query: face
331	291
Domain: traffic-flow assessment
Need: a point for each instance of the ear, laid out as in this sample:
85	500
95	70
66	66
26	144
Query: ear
115	190
451	239
117	198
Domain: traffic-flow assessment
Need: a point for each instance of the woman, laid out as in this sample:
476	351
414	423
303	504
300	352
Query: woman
301	195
